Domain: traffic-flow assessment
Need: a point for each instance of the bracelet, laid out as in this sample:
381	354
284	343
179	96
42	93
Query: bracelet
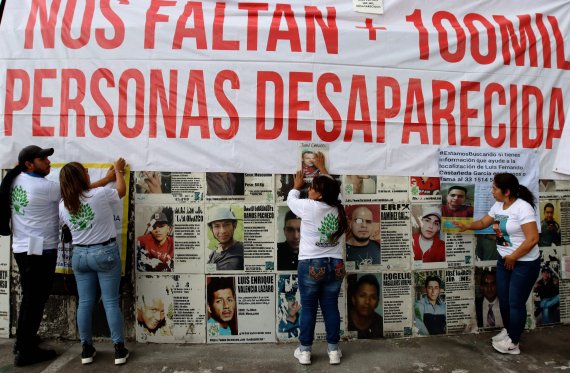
120	171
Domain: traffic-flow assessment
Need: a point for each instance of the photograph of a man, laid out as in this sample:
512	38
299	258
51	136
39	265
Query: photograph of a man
430	309
364	222
288	250
547	293
550	229
222	308
428	247
228	255
308	158
455	203
152	318
365	298
487	305
155	248
224	184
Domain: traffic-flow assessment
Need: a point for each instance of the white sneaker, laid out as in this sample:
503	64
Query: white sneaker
304	357
334	357
506	346
502	335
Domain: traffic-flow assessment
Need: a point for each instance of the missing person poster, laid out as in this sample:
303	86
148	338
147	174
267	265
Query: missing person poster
364	306
241	237
393	188
459	250
395	236
397	303
289	310
156	187
363	238
169	238
477	166
360	188
487	309
170	308
430	303
459	296
428	242
240	308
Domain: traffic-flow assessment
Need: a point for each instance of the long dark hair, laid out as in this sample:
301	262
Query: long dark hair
506	181
330	190
73	184
5	190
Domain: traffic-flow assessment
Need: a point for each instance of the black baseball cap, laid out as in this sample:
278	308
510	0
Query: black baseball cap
31	152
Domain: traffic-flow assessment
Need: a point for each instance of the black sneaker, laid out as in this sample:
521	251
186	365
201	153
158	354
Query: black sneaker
36	355
121	354
88	353
36	341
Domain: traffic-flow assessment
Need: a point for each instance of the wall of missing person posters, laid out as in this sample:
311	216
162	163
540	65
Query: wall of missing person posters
216	253
215	104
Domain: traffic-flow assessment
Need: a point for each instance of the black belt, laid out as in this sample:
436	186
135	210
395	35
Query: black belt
104	243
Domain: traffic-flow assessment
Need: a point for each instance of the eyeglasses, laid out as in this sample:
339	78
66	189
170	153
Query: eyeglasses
360	221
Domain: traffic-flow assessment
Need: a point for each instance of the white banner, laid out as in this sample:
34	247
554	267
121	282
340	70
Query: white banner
232	86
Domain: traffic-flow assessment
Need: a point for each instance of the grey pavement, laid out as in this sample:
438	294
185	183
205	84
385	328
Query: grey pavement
543	350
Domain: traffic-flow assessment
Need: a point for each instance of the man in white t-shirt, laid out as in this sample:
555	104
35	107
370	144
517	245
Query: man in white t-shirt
33	204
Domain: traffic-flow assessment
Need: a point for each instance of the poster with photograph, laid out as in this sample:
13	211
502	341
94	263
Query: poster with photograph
457	205
460	299
553	189
425	189
289	310
161	187
283	185
395	232
225	238
288	234
225	186
169	238
550	229
397	303
546	292
487	307
428	242
364	306
240	308
363	237
306	154
170	308
478	166
430	307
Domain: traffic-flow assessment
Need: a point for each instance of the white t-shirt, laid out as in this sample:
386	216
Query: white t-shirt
34	202
315	215
510	221
94	223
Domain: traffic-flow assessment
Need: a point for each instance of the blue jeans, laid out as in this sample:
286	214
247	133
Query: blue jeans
545	305
514	287
99	263
319	283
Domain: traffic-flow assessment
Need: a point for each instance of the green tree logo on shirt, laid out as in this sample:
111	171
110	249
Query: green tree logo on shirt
329	225
82	218
19	198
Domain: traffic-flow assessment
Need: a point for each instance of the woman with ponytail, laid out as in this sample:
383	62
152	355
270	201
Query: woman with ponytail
96	258
321	267
514	219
